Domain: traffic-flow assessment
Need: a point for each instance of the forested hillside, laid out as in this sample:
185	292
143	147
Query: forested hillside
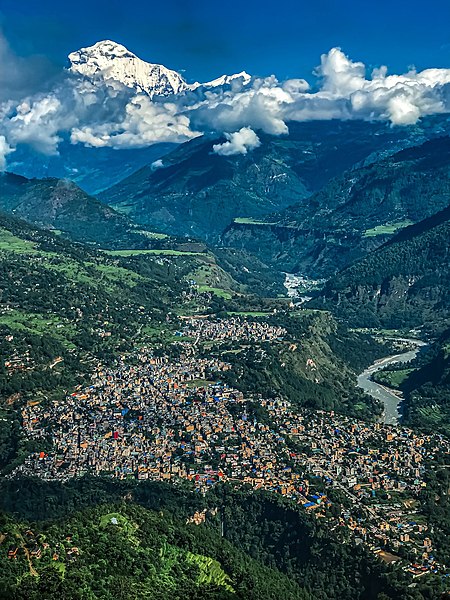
315	369
196	191
403	284
427	387
59	204
124	550
352	215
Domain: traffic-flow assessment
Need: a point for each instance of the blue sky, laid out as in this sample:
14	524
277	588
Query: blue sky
208	38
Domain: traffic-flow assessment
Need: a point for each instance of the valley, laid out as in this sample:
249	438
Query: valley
135	359
391	400
204	344
159	418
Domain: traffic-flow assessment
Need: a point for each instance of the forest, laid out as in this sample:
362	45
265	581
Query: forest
403	284
128	540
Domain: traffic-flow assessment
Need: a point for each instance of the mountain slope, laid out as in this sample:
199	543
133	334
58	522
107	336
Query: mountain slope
198	192
354	213
93	169
427	389
64	306
107	61
405	283
153	556
61	205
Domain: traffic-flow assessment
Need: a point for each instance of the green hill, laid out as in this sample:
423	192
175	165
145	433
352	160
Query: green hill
129	553
427	389
63	307
353	214
133	542
60	205
405	283
199	193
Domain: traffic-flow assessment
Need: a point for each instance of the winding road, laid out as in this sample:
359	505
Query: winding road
390	399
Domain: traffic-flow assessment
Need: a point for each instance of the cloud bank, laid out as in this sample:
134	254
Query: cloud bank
108	114
240	142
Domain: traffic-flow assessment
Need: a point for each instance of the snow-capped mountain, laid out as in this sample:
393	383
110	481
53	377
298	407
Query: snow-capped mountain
108	61
227	79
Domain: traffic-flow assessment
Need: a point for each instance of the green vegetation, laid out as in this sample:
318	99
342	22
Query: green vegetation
250	221
136	554
210	277
387	229
161	251
427	389
404	284
353	214
255	276
243	313
214	290
153	235
315	366
202	194
211	572
142	547
62	206
22	321
393	379
12	243
64	308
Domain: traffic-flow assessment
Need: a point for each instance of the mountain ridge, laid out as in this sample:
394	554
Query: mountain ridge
282	171
109	62
402	284
59	204
353	214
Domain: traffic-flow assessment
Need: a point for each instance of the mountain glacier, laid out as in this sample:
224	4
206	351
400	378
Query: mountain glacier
110	62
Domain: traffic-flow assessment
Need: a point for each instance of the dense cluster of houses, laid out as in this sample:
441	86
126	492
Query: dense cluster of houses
157	418
160	419
379	468
232	329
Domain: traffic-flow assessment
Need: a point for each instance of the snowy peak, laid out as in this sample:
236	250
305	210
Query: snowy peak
227	79
108	61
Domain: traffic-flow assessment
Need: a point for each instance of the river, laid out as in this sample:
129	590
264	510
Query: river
390	399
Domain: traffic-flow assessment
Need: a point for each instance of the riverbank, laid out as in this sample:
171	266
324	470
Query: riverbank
390	398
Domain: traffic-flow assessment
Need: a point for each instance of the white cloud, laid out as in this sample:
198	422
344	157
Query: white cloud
340	76
142	122
109	114
295	86
5	149
37	124
259	106
239	142
157	164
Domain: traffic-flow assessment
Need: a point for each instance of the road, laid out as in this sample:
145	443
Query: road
390	400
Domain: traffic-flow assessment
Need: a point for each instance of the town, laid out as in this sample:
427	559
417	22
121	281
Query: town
231	330
163	419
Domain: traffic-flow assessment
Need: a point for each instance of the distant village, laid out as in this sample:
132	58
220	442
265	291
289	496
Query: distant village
231	330
162	419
